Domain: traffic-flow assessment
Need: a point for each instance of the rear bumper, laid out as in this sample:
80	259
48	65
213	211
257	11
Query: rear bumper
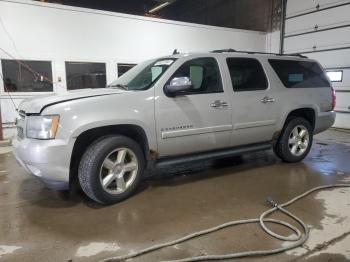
324	121
46	160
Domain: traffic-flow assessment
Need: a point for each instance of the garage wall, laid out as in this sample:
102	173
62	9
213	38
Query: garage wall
320	29
273	40
41	31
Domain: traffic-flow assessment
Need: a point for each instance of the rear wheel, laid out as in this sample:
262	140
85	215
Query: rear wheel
295	141
111	169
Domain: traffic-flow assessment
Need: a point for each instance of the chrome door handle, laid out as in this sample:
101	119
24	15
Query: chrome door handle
267	99
219	104
216	104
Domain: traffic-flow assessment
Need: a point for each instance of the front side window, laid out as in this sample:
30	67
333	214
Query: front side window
299	74
144	75
204	74
27	76
85	75
246	74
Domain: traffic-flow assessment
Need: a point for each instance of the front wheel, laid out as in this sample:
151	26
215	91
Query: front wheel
295	141
111	169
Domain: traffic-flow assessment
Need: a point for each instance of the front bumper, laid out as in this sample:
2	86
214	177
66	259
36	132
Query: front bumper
48	160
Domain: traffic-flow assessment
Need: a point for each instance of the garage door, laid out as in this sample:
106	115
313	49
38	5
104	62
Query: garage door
320	29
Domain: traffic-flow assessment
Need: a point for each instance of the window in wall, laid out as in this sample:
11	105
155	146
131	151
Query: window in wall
299	74
335	76
123	68
246	74
204	74
85	75
27	76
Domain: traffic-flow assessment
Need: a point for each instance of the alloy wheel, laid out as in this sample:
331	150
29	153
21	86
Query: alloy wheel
298	141
118	170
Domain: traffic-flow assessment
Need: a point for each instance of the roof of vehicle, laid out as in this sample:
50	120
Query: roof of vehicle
176	54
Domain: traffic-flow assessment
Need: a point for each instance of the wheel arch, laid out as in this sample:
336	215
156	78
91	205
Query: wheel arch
307	113
86	138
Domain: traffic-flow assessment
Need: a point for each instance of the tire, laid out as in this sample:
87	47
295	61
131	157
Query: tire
111	169
293	145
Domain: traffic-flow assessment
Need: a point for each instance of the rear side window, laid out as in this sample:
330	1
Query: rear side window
299	74
246	74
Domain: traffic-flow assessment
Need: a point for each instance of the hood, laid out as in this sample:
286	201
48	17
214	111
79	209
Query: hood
36	104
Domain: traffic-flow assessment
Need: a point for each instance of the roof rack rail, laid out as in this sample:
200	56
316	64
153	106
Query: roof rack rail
224	50
230	50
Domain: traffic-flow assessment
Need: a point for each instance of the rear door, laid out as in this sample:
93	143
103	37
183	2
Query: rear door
254	105
199	120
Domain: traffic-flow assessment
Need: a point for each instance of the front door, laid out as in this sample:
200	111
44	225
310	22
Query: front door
199	120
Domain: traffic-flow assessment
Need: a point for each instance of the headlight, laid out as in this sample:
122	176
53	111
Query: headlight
42	127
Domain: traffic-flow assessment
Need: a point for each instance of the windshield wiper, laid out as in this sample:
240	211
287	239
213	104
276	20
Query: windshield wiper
124	87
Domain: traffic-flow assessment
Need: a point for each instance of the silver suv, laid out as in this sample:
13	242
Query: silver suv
170	110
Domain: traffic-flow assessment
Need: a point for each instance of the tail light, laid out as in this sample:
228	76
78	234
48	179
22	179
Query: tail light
334	99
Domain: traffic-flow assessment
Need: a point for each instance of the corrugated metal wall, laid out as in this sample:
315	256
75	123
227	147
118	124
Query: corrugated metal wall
321	30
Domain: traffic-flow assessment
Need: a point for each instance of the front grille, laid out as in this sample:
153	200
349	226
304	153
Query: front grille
20	125
20	133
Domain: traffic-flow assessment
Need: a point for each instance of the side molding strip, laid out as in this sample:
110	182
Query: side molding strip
195	131
254	124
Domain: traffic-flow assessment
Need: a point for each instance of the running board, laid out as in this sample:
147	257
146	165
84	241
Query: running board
212	154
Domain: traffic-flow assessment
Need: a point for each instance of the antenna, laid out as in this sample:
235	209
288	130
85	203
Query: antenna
175	52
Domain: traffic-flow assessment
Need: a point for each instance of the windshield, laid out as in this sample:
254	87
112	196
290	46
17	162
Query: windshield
142	76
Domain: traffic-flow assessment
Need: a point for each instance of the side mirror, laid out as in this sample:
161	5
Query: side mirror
178	86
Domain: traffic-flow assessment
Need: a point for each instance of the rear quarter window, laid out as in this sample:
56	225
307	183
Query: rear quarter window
299	74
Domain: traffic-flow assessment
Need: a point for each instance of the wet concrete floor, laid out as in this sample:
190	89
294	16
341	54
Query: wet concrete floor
37	224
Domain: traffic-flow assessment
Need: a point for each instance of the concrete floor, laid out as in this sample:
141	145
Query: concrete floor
37	224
